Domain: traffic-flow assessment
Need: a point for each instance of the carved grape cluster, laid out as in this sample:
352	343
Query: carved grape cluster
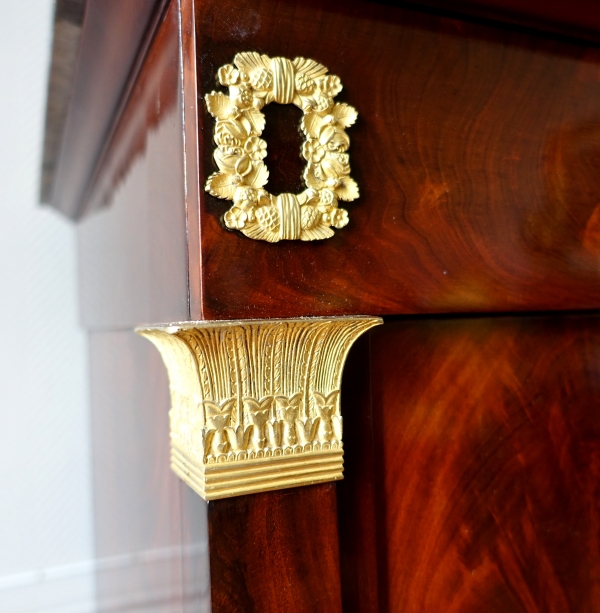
255	80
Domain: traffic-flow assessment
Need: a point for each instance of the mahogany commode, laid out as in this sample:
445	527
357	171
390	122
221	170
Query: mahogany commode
470	441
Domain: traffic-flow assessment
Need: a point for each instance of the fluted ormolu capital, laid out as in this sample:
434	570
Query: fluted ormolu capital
255	405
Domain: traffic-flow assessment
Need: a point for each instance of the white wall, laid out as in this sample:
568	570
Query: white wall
46	540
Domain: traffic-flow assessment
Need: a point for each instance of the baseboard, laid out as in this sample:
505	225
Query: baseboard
149	581
69	588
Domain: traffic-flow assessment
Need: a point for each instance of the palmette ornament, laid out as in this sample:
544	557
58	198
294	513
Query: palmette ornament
253	81
255	405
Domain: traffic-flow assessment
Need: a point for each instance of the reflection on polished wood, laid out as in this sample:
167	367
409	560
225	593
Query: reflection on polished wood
275	552
111	49
133	256
476	149
471	444
487	442
146	521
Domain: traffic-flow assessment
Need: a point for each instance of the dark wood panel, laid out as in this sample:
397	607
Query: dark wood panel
357	509
488	451
112	44
133	255
476	152
576	18
99	88
276	552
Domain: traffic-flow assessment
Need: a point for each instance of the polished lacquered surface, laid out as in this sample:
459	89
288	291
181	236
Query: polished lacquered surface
358	520
487	464
471	444
475	151
576	18
276	552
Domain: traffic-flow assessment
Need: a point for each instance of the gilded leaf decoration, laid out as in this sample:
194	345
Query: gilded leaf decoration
255	405
255	80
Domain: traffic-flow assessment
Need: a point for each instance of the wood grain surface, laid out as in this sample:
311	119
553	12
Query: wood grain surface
115	39
275	552
487	439
476	153
358	519
576	18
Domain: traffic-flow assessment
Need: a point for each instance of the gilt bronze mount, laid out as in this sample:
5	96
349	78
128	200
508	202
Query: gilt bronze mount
255	405
255	80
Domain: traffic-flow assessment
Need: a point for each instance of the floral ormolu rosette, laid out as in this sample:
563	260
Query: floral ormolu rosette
253	81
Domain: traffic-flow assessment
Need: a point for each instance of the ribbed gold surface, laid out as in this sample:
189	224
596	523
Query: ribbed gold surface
255	405
226	479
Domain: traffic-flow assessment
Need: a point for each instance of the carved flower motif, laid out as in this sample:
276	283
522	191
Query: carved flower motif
335	166
339	218
224	138
312	151
330	85
228	75
341	158
256	148
233	160
288	408
241	96
232	132
235	218
217	417
330	171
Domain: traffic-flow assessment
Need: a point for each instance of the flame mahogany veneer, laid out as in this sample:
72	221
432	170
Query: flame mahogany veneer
472	444
485	460
475	150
